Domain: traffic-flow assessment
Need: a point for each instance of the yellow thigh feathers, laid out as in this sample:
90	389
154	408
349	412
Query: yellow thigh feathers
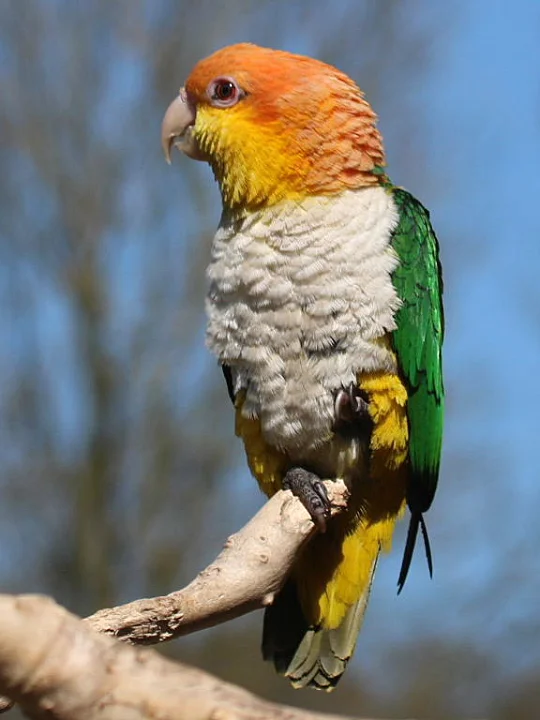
336	569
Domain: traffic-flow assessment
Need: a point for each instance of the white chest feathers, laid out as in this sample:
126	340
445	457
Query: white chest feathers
298	296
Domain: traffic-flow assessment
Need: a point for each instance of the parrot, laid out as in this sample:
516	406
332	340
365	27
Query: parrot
324	311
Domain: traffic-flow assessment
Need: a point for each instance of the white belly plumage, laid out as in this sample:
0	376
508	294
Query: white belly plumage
298	295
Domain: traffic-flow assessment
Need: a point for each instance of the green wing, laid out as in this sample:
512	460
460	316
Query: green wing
418	345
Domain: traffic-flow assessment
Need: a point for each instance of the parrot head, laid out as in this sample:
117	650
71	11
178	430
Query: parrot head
274	126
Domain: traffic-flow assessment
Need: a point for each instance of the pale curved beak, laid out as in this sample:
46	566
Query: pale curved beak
177	128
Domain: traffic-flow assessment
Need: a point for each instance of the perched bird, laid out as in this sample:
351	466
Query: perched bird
325	313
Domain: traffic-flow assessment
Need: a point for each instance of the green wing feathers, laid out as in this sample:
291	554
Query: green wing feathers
418	345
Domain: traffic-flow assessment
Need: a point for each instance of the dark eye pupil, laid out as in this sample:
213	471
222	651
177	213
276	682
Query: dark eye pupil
225	90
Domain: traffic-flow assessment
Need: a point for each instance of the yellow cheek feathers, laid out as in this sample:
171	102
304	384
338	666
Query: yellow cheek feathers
302	128
250	162
260	163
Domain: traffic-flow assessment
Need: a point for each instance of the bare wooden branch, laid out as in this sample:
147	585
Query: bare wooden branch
56	667
246	576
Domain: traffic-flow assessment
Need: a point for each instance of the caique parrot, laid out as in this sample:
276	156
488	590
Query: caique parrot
325	313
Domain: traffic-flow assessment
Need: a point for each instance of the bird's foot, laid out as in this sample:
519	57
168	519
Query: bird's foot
351	405
310	490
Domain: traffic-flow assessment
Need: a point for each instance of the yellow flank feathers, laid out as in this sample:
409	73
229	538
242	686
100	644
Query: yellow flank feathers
390	437
337	568
267	464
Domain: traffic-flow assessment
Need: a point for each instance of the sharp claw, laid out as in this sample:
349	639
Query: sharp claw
321	505
350	405
319	518
341	404
310	490
320	489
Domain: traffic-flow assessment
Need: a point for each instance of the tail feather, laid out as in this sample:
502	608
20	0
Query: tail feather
323	655
416	521
284	627
310	655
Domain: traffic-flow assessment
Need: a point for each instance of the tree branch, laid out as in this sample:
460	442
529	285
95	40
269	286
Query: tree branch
246	576
51	663
57	668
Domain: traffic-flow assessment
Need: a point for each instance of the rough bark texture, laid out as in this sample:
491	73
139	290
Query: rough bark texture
246	576
57	666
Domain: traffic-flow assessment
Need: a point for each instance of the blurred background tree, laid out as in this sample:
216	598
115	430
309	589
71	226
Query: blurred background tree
120	475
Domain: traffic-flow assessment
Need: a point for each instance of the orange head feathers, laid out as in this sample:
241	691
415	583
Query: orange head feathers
275	126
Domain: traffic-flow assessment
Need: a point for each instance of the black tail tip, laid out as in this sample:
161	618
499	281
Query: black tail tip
417	521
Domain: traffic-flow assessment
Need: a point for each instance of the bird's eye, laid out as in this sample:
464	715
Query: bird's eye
224	92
